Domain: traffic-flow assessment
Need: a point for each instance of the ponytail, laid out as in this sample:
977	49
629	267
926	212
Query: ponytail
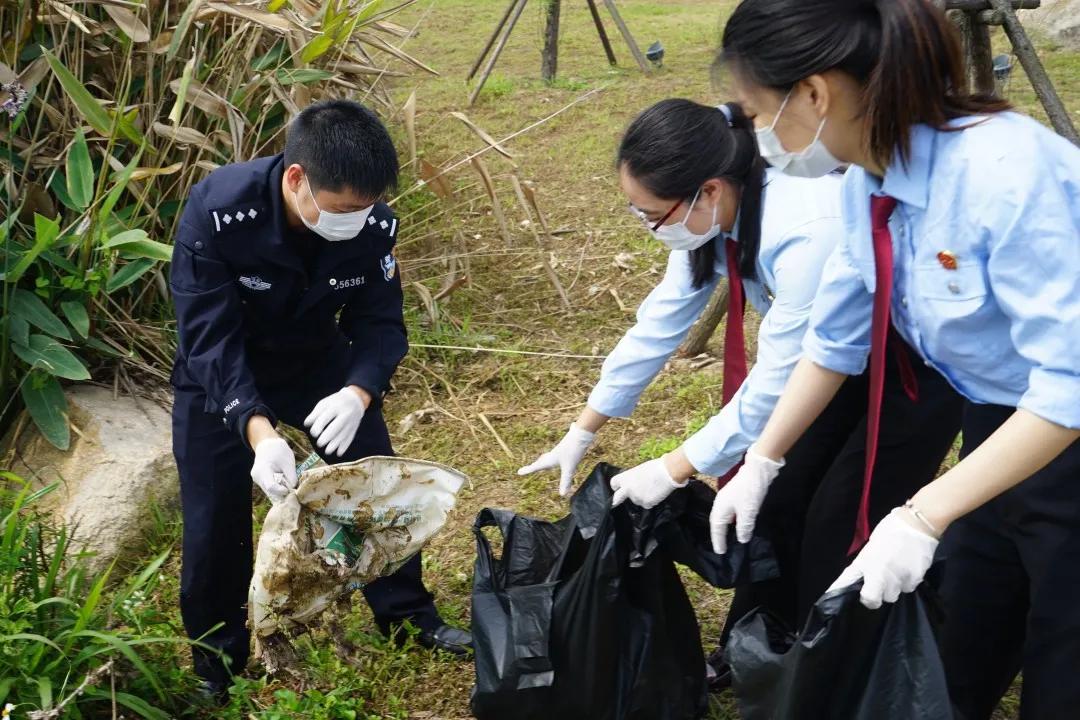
905	54
675	146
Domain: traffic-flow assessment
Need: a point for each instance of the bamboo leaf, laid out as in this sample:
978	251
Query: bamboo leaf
151	249
179	134
181	92
52	357
136	244
121	182
149	172
128	274
286	76
75	312
80	172
369	11
266	20
316	48
18	330
182	28
128	236
45	233
31	308
88	107
47	405
128	23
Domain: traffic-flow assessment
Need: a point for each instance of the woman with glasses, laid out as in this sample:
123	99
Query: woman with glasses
693	175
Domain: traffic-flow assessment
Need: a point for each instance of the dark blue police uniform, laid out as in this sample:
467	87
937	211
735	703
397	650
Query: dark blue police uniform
265	328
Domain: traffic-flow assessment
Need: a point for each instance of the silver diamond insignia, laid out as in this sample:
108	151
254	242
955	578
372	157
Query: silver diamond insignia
252	213
383	224
226	219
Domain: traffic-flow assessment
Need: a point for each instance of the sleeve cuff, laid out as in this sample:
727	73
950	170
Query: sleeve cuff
370	379
838	357
704	456
1052	395
611	402
240	420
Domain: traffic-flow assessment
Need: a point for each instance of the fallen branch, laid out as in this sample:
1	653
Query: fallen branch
91	678
504	351
489	426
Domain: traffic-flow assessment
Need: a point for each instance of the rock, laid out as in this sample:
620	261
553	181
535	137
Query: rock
1057	19
119	465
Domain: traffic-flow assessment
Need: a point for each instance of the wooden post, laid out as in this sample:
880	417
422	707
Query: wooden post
550	63
626	35
1044	88
603	33
519	7
980	56
704	328
491	40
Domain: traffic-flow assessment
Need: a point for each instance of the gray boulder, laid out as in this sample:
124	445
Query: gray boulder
119	465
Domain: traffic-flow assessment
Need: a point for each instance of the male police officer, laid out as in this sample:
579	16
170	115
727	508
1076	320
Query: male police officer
289	307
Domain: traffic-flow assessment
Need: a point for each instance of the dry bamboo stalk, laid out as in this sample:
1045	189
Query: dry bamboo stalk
506	139
409	116
482	134
496	207
550	271
489	426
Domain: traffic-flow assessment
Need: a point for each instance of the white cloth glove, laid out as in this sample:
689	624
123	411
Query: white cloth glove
741	499
566	456
894	560
274	469
646	485
334	421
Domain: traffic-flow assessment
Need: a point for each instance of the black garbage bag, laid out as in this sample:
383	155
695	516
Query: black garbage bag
848	663
586	618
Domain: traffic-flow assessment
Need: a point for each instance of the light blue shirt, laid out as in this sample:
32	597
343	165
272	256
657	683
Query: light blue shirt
800	227
1003	197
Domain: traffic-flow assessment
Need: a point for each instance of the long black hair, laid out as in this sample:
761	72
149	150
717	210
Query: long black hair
904	53
676	145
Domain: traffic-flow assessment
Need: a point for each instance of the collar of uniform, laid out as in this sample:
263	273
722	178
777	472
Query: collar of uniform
910	182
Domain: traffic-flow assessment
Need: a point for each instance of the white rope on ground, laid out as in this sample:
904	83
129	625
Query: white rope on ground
505	351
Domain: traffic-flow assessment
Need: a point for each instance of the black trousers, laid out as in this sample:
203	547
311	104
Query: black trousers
1011	588
215	492
810	512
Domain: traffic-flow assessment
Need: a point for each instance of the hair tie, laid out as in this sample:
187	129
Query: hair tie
727	113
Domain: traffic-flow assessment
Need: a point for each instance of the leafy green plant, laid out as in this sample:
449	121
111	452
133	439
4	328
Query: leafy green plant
113	112
67	643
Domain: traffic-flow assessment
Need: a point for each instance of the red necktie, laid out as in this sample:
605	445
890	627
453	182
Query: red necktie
881	207
734	338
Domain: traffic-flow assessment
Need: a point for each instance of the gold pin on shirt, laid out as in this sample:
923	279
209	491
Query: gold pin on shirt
947	259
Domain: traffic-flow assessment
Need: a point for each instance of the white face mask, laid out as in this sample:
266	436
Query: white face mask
814	161
335	226
678	236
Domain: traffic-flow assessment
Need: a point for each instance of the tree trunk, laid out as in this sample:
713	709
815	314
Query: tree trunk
706	325
551	41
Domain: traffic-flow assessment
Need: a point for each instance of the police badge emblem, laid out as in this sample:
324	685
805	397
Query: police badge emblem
389	267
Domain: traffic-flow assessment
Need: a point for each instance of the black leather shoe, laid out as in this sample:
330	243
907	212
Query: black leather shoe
212	693
448	639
